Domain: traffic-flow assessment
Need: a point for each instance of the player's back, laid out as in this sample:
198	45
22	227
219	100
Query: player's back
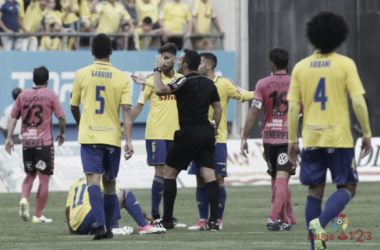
36	106
323	82
102	89
272	92
79	202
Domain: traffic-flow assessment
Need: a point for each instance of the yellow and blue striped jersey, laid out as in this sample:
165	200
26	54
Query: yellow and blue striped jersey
321	82
102	89
227	90
163	114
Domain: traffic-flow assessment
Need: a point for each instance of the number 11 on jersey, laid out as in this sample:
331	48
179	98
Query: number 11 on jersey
320	93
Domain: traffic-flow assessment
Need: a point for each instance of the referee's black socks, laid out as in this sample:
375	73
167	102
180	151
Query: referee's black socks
170	192
213	196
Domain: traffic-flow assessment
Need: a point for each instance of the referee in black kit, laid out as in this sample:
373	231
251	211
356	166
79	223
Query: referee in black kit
196	138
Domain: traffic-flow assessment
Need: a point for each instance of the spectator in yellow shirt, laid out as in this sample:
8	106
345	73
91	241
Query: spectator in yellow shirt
147	28
51	43
203	13
54	16
111	16
34	15
148	8
70	9
173	17
87	12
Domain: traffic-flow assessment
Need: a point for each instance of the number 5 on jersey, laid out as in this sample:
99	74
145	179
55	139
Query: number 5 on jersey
320	93
100	99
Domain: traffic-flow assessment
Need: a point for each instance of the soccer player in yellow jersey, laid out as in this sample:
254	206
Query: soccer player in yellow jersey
321	83
161	124
226	90
203	13
172	18
147	27
102	89
81	220
111	15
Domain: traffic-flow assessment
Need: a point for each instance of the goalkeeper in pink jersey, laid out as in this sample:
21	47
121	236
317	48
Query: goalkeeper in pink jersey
271	93
35	106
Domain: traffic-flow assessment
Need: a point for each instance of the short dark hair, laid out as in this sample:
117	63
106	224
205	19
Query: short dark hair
102	46
211	57
327	30
168	47
192	59
147	20
279	57
40	75
16	92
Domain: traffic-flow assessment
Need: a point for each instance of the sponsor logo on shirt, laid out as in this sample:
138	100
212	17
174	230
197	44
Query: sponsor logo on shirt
99	128
30	133
275	124
319	127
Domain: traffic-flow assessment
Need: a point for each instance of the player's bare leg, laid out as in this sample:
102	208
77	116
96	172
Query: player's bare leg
170	193
222	199
157	190
97	204
212	186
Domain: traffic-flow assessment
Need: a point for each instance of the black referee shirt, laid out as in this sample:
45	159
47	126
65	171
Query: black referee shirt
194	95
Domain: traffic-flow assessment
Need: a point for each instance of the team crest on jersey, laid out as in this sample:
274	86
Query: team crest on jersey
29	165
330	150
41	165
282	159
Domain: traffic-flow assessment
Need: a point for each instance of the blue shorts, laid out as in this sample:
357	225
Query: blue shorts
89	225
316	161
157	151
220	161
101	159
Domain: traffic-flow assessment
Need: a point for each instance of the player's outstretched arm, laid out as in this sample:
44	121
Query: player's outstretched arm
293	117
76	113
62	127
9	146
136	110
361	112
67	212
127	118
159	87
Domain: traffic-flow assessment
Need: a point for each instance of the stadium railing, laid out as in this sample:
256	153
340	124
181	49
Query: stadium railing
91	35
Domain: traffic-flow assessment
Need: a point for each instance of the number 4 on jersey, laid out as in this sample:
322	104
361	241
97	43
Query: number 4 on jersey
320	93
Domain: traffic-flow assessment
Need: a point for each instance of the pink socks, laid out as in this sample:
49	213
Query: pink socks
42	194
27	185
279	200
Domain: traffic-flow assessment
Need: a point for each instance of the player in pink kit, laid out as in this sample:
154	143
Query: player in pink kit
271	93
35	106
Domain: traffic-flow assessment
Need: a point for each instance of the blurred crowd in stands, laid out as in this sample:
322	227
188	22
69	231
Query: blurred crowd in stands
162	20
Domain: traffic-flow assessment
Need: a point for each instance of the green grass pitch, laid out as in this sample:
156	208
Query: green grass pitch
245	218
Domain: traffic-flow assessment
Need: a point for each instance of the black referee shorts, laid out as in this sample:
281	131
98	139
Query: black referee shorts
193	142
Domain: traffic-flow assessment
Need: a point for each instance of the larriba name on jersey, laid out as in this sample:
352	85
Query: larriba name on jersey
101	74
320	64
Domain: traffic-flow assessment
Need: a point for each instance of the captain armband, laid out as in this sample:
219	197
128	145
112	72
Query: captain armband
256	103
